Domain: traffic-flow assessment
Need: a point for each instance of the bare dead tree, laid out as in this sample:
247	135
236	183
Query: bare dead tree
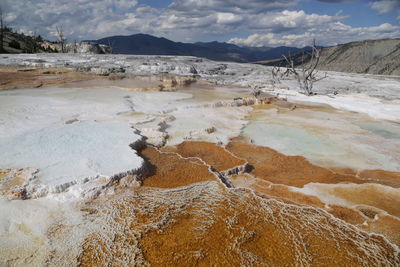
275	73
307	76
111	45
278	73
31	43
34	43
75	48
61	38
1	30
255	90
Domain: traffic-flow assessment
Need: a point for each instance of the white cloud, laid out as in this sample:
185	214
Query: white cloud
236	6
336	1
228	18
336	33
87	19
79	18
255	40
289	20
268	22
385	6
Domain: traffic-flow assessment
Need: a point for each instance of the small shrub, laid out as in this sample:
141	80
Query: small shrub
7	29
14	44
161	87
211	130
39	39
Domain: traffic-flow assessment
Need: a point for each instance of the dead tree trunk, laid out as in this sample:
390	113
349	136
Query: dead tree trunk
307	76
1	31
61	38
75	47
111	45
31	43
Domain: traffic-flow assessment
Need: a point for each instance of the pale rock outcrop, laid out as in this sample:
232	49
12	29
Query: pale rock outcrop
88	48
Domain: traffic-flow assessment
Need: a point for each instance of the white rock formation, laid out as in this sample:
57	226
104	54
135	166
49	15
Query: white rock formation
88	48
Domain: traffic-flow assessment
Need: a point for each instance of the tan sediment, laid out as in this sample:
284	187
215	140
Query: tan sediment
369	212
168	170
207	93
281	169
20	77
172	83
247	180
3	174
345	171
209	225
380	176
346	214
276	168
373	176
386	225
242	231
281	107
12	182
374	195
145	83
280	192
214	155
283	193
135	83
264	106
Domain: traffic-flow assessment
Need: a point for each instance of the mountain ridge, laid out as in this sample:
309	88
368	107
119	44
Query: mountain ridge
144	44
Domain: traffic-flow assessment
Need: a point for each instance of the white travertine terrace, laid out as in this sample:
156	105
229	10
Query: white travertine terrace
70	143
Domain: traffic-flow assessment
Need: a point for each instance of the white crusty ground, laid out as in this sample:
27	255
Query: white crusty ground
356	92
71	135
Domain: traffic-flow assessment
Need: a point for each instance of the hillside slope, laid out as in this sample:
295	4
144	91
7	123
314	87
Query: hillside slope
371	56
16	43
374	57
20	43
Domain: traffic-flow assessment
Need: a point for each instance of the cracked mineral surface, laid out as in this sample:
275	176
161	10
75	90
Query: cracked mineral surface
112	160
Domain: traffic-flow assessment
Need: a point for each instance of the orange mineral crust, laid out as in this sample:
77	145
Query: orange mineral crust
347	214
283	193
214	155
281	169
21	77
386	225
384	177
169	170
279	192
373	195
206	224
374	176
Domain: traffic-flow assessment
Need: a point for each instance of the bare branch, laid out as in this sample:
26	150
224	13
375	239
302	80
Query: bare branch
61	38
307	76
111	45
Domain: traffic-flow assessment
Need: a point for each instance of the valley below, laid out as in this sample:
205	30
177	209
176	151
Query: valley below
117	160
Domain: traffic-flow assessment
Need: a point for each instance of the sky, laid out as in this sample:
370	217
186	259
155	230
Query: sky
243	22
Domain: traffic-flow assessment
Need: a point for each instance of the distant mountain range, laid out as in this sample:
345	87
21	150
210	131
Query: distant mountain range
370	56
144	44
